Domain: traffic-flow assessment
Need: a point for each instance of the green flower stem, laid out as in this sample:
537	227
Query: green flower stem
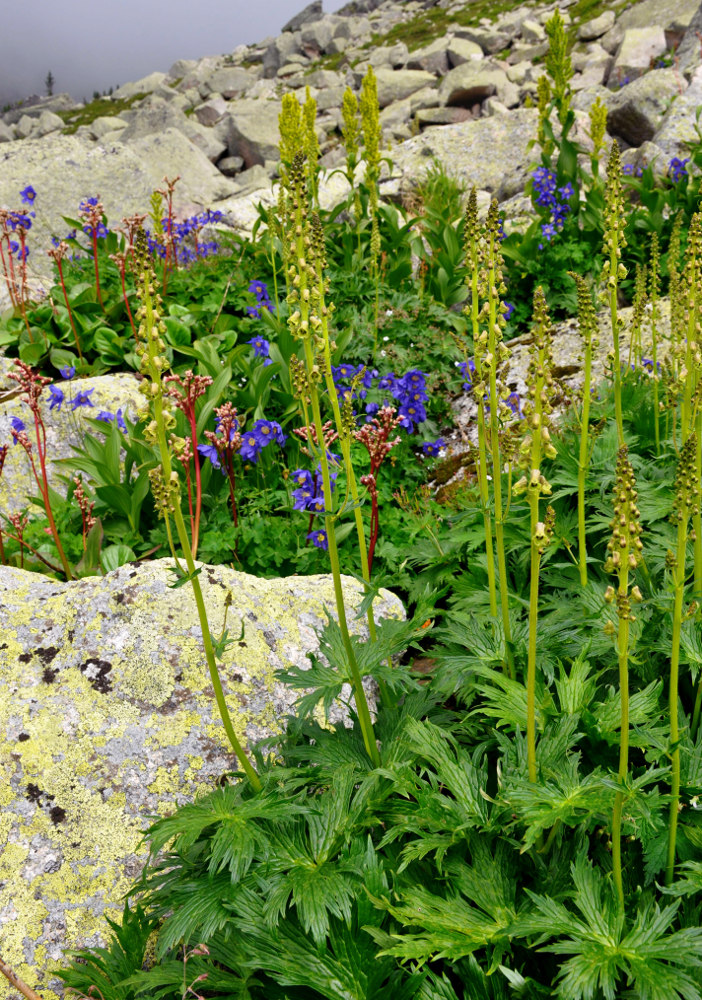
653	296
697	515
494	300
167	467
623	649
533	622
364	716
679	587
583	464
482	437
345	444
617	364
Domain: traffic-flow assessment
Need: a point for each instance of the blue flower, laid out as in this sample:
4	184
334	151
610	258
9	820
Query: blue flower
209	451
303	479
267	431
17	426
67	372
433	447
509	309
250	446
57	397
319	539
82	399
467	369
411	414
28	195
108	417
371	410
514	403
261	347
677	170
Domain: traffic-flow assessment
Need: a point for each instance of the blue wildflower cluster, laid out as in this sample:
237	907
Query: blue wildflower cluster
263	433
260	290
408	390
631	171
432	448
309	496
677	169
107	418
556	199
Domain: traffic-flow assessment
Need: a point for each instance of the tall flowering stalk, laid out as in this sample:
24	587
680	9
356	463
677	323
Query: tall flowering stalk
493	316
474	252
171	259
370	127
91	212
151	350
350	132
624	554
185	390
587	321
654	287
306	325
686	505
536	444
613	271
57	254
691	412
637	316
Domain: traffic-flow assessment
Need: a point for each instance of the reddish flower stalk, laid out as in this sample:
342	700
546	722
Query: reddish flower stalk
92	216
375	437
185	391
31	387
19	523
58	253
171	255
133	224
4	449
120	260
86	509
227	440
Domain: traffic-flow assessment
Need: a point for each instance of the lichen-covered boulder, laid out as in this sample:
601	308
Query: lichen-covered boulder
107	719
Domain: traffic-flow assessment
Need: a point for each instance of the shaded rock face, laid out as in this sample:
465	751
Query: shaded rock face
107	717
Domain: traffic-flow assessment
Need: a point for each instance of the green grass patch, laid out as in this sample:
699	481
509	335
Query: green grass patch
101	106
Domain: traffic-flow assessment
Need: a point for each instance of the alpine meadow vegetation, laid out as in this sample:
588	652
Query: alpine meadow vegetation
519	817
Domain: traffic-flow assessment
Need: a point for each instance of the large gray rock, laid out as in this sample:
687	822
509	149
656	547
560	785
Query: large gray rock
312	12
35	106
108	719
153	83
688	52
152	118
104	125
638	48
489	39
472	82
678	126
461	50
596	27
636	111
278	53
253	131
671	15
432	58
462	149
229	81
64	169
395	85
388	56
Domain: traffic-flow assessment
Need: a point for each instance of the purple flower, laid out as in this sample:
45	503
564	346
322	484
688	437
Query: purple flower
319	539
303	479
411	414
67	372
17	425
209	451
467	369
82	399
108	417
677	170
509	307
250	446
267	431
433	447
261	347
371	410
57	397
28	195
514	403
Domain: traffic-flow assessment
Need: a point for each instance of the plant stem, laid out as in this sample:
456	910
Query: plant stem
679	584
623	648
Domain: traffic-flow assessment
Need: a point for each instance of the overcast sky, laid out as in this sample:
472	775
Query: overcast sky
91	45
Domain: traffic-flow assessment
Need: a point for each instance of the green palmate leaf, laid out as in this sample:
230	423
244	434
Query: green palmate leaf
478	916
607	954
